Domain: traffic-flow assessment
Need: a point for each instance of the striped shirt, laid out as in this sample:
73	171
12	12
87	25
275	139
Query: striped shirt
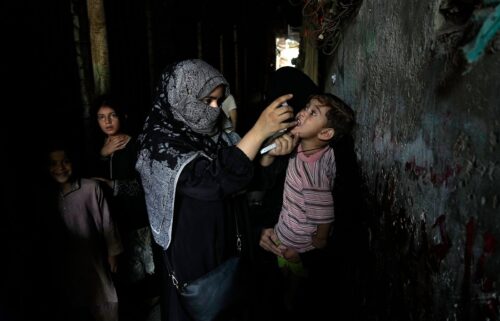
307	198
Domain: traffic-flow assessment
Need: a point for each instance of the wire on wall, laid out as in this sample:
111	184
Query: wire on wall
324	20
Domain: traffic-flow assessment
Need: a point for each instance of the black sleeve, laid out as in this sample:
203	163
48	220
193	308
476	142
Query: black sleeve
207	179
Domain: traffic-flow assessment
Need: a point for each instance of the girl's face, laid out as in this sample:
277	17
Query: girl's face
108	120
60	167
311	120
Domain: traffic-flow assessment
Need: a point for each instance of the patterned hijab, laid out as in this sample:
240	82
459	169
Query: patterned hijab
179	128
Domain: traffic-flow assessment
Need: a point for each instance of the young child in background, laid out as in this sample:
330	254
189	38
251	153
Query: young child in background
307	211
136	280
92	242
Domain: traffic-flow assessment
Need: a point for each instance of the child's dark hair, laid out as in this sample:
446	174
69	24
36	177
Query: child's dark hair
340	116
119	107
111	101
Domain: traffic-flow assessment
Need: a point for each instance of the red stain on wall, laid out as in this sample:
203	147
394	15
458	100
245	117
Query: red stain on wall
435	177
491	304
488	248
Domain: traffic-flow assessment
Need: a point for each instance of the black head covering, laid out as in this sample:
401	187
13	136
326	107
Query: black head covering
283	81
288	80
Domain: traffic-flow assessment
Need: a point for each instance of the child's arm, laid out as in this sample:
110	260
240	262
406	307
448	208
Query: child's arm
319	239
113	144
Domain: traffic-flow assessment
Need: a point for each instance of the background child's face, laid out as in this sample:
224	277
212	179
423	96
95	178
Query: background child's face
60	167
108	120
311	120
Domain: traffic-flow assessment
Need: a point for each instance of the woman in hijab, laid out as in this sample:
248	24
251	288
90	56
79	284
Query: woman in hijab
190	168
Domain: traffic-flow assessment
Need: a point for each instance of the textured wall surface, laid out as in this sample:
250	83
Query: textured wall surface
428	146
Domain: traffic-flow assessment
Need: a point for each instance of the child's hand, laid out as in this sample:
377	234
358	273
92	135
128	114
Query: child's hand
106	181
269	242
113	144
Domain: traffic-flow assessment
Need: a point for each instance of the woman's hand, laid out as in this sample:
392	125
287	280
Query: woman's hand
284	145
269	242
272	119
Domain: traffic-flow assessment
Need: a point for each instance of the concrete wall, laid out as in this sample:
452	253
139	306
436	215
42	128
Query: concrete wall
428	146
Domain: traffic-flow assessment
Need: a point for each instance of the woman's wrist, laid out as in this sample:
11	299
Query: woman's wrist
257	134
266	160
